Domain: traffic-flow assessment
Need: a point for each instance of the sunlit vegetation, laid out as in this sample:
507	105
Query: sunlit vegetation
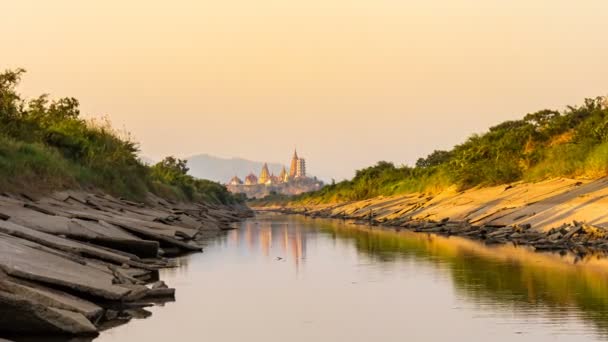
46	145
172	174
572	143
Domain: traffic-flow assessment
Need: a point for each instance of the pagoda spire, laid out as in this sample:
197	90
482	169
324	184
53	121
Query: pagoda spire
294	164
264	175
283	177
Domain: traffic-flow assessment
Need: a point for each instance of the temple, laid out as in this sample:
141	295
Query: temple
235	181
293	182
298	166
297	170
264	175
283	176
251	179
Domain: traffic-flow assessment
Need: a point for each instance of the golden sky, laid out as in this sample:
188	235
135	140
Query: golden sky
349	82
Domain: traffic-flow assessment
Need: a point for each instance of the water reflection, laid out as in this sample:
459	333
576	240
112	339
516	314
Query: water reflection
501	277
498	277
267	235
326	280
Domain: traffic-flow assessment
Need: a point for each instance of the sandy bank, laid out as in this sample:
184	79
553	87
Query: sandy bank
555	214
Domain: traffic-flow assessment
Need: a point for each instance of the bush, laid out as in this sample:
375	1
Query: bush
548	143
45	144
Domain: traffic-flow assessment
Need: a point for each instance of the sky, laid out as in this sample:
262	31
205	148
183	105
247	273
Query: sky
347	82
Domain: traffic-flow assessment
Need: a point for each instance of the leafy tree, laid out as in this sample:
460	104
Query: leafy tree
171	169
542	118
436	158
10	102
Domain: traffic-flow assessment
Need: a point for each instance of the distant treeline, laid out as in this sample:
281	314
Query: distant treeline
45	145
545	144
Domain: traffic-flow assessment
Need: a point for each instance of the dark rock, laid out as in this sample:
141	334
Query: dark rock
39	209
20	315
111	315
140	248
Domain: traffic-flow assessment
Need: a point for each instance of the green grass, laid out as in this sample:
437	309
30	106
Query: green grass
27	165
596	163
45	145
568	160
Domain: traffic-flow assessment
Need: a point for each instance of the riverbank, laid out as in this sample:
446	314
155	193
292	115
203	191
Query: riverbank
557	214
75	263
333	266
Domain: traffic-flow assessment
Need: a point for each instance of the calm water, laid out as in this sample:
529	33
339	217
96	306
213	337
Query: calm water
288	278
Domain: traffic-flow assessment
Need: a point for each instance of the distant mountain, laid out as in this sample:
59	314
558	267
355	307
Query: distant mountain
223	169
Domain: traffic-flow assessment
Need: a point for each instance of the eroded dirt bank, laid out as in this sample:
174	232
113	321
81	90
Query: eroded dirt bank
74	263
558	214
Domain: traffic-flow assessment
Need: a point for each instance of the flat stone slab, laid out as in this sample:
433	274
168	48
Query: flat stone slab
22	261
50	297
20	315
63	225
150	230
60	243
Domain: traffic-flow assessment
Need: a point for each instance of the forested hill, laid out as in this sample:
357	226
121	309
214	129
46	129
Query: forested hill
46	145
548	143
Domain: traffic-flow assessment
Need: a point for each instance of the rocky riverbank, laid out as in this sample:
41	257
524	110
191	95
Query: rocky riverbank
75	263
557	215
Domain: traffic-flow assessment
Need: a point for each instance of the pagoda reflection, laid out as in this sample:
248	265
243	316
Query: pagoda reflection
274	240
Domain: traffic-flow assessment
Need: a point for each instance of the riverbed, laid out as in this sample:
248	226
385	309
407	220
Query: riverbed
292	278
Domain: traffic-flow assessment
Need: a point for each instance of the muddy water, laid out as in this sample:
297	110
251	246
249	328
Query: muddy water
288	278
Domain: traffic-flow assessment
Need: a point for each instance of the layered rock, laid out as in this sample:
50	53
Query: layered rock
556	214
73	262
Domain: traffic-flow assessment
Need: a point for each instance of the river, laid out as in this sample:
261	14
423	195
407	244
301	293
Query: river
291	278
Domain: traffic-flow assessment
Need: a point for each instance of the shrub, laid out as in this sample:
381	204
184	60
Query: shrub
45	144
547	143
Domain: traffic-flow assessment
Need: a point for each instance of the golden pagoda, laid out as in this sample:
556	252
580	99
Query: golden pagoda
293	170
283	176
264	175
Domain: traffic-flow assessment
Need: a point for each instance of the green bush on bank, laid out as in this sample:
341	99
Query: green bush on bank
173	172
545	144
22	164
46	145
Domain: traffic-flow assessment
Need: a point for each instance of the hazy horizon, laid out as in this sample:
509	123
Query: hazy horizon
348	83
